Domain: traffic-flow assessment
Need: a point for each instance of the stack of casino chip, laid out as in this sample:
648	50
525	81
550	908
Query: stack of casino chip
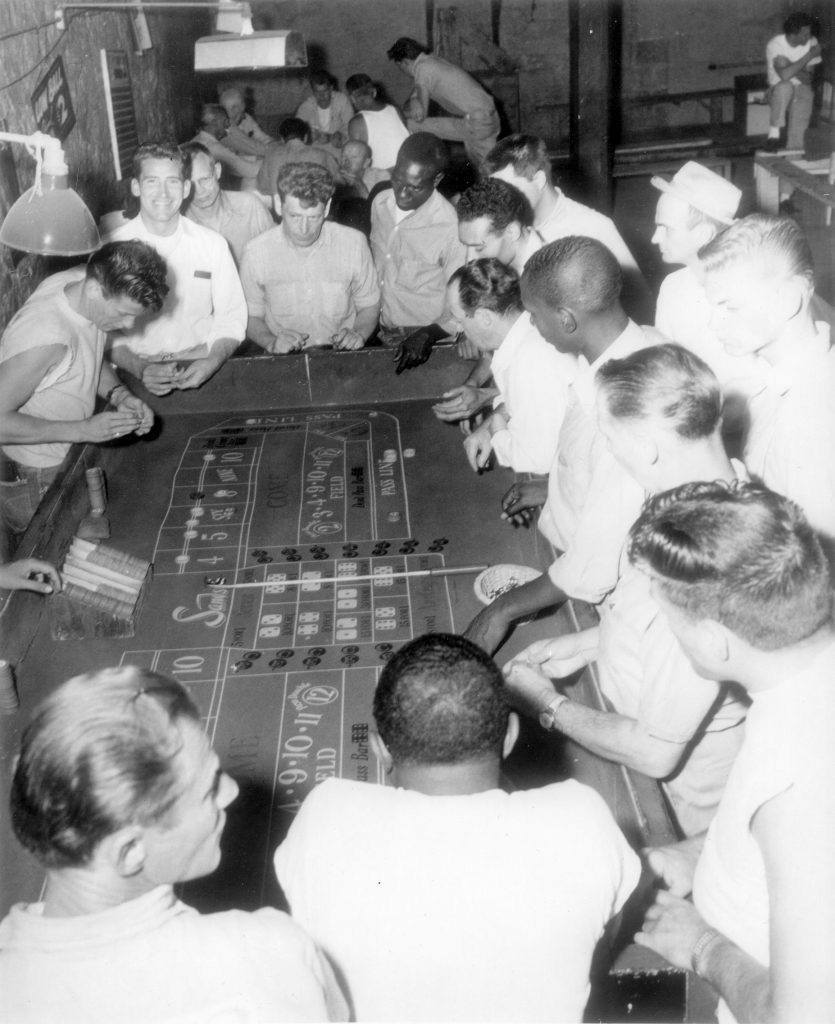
103	578
9	700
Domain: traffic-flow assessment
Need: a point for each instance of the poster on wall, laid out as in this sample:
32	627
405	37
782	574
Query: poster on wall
121	117
52	104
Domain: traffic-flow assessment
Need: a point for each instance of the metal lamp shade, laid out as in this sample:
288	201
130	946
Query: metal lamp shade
55	223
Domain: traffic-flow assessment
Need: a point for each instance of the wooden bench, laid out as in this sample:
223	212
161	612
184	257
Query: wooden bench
633	161
772	173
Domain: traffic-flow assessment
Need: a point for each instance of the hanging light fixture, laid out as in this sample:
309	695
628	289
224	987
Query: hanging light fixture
50	218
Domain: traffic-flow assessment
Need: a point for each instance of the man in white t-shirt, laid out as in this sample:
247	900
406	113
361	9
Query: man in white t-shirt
759	280
523	161
442	897
788	58
52	370
327	111
119	795
203	318
531	376
746	590
377	124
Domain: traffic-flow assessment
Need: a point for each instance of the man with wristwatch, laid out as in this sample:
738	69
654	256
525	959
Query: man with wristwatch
52	371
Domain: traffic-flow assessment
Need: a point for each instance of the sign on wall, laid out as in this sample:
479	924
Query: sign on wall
121	118
52	104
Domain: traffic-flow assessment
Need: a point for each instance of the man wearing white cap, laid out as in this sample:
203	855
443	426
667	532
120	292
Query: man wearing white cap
694	206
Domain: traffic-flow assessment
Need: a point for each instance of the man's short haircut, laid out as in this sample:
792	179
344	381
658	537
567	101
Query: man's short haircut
497	200
776	245
737	554
425	149
360	83
667	382
159	151
527	153
575	272
294	128
321	77
132	269
440	700
798	20
309	183
488	284
405	48
190	151
232	91
99	754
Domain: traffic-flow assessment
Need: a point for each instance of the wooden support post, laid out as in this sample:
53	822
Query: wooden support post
594	57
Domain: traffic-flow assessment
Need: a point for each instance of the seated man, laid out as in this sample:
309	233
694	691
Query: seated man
351	204
759	280
203	318
571	288
238	216
120	796
52	369
531	376
473	119
377	124
294	148
244	134
745	588
788	58
309	282
327	112
477	904
414	239
660	410
523	161
214	127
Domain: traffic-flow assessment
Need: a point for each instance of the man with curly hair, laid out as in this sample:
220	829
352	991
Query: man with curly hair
467	896
309	282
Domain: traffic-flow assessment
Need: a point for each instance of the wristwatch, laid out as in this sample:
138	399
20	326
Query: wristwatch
548	716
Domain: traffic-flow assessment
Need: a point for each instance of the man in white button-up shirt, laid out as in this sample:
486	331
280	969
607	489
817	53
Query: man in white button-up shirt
531	376
759	280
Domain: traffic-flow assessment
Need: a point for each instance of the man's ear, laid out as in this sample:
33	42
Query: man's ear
380	750
134	187
439	177
483	317
328	207
513	231
511	734
218	171
539	180
186	187
794	296
124	851
567	319
277	204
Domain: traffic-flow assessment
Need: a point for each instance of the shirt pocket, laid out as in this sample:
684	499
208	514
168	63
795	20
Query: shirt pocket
416	275
198	299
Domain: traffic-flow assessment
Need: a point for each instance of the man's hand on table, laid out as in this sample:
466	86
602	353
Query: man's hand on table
521	501
30	574
107	426
479	447
131	403
287	341
459	403
417	347
672	927
347	340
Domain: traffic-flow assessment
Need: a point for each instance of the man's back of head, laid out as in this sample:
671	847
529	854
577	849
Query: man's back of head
294	128
440	702
527	154
738	555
